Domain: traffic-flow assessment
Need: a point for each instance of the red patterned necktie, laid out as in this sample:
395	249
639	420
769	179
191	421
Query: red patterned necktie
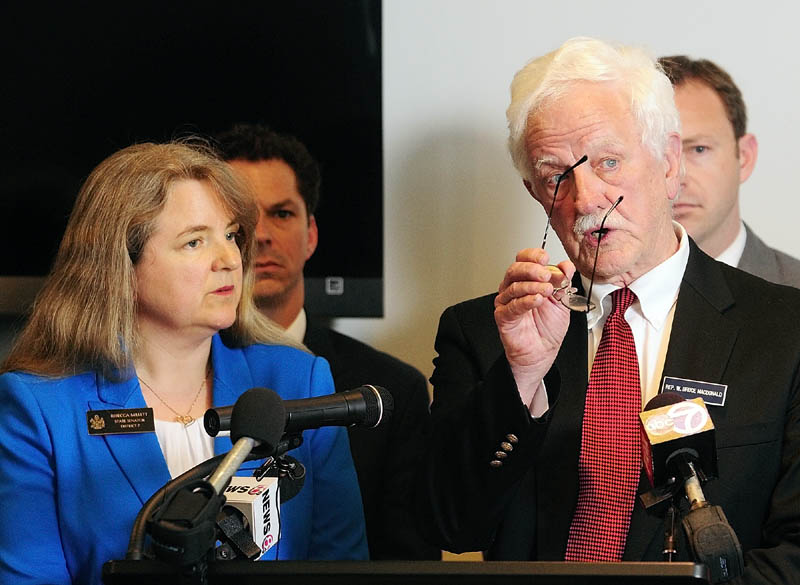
610	459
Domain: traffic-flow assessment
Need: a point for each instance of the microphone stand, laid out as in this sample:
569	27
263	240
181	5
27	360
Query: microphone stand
711	538
184	517
183	530
135	550
181	517
670	545
290	472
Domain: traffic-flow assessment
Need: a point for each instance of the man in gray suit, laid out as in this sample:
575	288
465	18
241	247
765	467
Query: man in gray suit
719	155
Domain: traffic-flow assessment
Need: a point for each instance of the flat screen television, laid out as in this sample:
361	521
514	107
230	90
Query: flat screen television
82	80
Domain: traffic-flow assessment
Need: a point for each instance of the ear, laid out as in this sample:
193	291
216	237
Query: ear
313	237
748	154
672	164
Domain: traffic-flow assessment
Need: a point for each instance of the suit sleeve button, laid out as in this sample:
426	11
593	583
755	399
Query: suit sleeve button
495	463
512	438
506	446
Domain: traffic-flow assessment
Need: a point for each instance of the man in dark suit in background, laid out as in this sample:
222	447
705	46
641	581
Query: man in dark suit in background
536	446
286	181
718	155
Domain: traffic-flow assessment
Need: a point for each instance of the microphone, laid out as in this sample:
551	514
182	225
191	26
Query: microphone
183	528
681	435
365	406
684	453
257	421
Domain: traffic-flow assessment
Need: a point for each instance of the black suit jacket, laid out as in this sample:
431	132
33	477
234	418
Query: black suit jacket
385	456
729	328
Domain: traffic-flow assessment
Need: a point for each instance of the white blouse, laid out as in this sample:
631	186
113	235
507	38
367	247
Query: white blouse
183	447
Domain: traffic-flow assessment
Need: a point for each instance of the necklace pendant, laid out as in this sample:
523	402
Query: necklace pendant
186	419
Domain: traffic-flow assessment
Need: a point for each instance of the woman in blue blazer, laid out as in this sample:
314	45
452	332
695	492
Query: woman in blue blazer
148	309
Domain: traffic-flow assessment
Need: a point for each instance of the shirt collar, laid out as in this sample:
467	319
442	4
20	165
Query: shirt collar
297	330
733	253
656	290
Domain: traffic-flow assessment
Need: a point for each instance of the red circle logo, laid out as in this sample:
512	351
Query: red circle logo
688	418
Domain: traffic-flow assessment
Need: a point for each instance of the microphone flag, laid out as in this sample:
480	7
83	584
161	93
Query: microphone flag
258	503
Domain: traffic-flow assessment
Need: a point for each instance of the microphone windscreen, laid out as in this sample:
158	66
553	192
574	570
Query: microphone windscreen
259	414
379	403
664	399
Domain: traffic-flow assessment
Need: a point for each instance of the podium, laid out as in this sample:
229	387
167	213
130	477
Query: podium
414	572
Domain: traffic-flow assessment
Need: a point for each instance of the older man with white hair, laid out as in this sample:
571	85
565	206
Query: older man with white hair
536	453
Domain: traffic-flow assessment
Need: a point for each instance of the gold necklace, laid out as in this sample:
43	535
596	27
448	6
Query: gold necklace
187	418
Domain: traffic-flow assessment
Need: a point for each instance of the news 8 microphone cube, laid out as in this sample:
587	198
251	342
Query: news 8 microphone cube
681	426
258	502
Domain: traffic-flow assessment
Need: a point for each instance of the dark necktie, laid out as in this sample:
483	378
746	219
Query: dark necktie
610	458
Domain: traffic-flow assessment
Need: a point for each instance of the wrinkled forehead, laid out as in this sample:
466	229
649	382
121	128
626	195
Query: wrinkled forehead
592	115
614	96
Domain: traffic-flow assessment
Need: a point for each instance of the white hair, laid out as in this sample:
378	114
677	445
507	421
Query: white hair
584	59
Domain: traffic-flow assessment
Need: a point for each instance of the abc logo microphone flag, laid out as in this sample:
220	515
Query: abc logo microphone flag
682	426
674	421
258	503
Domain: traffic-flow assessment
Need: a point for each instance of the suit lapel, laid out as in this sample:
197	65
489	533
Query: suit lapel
138	455
232	377
700	346
318	340
702	337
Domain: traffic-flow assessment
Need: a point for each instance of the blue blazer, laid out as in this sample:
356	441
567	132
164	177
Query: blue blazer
69	499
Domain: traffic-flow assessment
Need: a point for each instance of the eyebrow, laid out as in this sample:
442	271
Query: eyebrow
201	228
545	160
283	203
698	138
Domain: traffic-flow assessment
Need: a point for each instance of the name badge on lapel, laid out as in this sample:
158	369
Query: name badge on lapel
712	394
121	421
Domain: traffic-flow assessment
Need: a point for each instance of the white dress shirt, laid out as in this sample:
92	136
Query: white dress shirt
733	253
297	330
650	317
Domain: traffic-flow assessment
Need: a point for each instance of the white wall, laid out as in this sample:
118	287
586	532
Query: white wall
456	212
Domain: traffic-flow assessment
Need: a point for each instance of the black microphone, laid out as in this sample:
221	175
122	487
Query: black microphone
684	454
681	436
365	406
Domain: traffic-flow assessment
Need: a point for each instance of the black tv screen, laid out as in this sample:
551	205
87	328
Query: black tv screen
85	79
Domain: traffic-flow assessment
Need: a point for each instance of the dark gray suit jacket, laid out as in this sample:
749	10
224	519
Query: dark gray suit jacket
769	263
729	328
386	456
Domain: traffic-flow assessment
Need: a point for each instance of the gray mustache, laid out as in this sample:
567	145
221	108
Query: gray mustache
586	223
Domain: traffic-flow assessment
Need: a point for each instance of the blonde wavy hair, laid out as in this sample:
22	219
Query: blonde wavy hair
84	318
